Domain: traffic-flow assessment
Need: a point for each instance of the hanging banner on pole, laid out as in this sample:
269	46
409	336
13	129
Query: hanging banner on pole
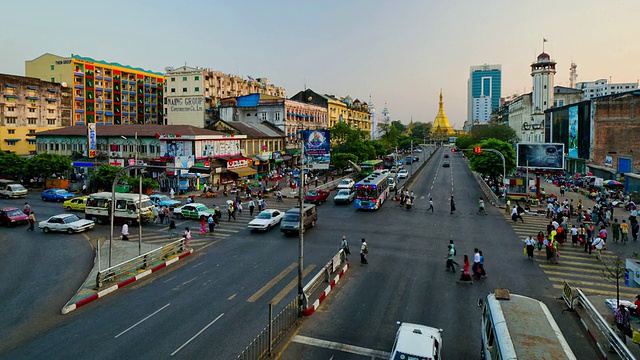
317	149
91	140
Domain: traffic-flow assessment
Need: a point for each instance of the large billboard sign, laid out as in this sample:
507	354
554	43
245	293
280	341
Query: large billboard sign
540	156
91	140
317	149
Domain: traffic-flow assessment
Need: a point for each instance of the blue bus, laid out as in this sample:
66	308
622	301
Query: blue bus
372	191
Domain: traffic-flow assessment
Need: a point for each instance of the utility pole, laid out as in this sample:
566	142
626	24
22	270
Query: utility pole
301	225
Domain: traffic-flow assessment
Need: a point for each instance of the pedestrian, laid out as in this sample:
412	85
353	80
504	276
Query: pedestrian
239	206
203	225
453	205
574	235
635	227
187	237
615	229
603	232
430	205
515	215
623	322
483	273
624	230
529	245
547	247
540	239
476	263
562	190
252	206
125	232
364	250
211	222
155	214
167	214
231	211
481	207
598	244
465	276
27	208
554	251
32	220
172	193
344	245
450	258
172	228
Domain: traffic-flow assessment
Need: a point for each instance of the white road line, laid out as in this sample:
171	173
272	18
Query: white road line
196	335
141	321
341	347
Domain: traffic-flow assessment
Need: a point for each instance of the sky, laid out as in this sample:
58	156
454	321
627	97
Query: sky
399	53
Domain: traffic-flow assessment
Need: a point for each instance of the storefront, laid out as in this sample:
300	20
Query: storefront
238	168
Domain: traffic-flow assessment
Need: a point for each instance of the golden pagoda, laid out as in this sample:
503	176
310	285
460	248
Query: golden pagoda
441	126
410	129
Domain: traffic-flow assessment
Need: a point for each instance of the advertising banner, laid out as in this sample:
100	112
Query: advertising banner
573	132
540	156
174	149
91	140
317	149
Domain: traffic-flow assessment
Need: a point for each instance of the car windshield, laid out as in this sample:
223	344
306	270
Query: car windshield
17	187
61	191
71	218
201	208
14	212
312	193
264	215
344	182
343	192
291	217
163	198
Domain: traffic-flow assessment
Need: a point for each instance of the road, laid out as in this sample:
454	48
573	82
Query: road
226	285
406	280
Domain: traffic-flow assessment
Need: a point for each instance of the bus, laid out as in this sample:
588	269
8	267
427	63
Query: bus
372	191
389	161
519	327
367	167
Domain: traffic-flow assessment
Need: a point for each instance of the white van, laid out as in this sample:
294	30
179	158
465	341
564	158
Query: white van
127	205
12	190
392	183
291	221
415	341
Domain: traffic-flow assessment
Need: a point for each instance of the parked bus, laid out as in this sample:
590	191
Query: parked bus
367	167
372	191
127	204
519	327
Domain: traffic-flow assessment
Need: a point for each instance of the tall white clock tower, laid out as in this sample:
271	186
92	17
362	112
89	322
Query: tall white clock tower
542	71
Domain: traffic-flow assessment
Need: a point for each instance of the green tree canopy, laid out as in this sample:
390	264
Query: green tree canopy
502	132
103	176
47	164
489	163
347	140
12	166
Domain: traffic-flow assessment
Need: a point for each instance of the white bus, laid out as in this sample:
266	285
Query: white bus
519	327
127	204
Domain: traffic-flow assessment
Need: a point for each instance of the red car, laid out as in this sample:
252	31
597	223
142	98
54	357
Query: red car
12	216
316	196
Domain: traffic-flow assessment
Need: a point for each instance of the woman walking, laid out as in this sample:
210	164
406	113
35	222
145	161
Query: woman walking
540	239
203	225
453	205
172	228
529	245
465	276
483	273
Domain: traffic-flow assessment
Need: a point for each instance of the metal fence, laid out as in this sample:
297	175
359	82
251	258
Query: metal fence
491	196
142	262
262	346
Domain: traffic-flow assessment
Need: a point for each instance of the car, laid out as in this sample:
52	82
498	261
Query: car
346	184
446	156
193	211
399	163
394	170
415	341
11	216
416	159
446	164
58	195
266	219
164	200
409	160
316	196
381	171
403	174
344	196
418	150
76	204
69	223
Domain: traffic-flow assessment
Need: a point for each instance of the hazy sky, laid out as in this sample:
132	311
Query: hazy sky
398	52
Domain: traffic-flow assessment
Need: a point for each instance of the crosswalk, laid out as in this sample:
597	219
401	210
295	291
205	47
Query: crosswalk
575	266
159	234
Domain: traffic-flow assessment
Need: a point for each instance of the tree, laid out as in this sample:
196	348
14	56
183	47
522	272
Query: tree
614	271
502	132
421	130
47	165
490	164
465	142
339	160
103	176
347	140
12	166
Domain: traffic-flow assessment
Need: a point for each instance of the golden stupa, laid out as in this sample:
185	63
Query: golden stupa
441	126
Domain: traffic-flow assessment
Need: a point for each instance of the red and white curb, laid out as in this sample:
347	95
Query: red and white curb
69	308
316	304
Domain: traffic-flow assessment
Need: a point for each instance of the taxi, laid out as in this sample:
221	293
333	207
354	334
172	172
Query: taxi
76	204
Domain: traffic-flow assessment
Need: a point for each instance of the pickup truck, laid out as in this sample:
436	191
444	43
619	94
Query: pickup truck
316	196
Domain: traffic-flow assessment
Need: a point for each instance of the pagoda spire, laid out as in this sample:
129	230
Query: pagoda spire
441	124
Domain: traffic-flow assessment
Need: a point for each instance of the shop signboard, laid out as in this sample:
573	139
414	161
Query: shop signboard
540	156
317	145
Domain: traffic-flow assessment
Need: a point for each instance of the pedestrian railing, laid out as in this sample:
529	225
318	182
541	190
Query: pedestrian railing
323	275
493	198
604	328
262	346
140	263
569	297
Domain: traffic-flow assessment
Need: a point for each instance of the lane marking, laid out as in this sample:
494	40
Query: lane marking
196	335
232	296
276	299
271	283
341	347
141	321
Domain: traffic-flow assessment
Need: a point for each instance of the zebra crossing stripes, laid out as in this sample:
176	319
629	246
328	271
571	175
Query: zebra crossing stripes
575	266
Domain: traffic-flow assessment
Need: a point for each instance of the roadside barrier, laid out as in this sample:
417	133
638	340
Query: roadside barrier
142	262
569	297
491	196
323	276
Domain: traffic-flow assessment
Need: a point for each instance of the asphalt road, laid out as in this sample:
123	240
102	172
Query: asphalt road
406	280
211	305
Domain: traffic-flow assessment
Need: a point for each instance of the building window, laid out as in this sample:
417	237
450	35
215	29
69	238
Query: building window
197	78
184	90
51	111
173	79
184	78
173	90
31	131
32	110
51	121
11	120
11	131
11	108
53	79
277	116
31	121
52	67
197	89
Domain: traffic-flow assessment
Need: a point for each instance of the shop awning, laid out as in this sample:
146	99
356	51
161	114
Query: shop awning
286	157
243	171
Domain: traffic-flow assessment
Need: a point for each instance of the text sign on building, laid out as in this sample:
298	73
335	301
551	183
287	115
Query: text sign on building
91	139
238	163
540	156
317	147
195	103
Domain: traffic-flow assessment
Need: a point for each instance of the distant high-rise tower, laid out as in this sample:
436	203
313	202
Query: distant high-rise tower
573	75
485	90
542	71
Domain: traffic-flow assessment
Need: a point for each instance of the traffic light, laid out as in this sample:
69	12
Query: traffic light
477	150
453	150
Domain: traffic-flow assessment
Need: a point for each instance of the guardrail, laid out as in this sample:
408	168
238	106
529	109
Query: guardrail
491	196
141	262
323	275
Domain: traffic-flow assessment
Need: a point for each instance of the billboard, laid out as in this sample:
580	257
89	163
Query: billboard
540	156
573	132
91	140
317	148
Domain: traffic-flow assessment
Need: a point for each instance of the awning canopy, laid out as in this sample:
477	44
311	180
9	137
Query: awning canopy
244	171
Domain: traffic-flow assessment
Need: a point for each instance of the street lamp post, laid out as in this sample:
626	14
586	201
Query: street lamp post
301	225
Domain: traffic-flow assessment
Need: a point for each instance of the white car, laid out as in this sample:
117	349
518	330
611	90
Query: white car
415	341
266	219
344	196
392	183
346	184
69	223
403	174
382	171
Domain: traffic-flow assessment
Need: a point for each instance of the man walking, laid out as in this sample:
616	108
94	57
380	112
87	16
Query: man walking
450	258
453	205
125	232
32	220
430	205
212	223
364	250
481	207
167	214
529	244
624	230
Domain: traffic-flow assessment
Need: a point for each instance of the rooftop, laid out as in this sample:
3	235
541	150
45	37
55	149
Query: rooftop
130	130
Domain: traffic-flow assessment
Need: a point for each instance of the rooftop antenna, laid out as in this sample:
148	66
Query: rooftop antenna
543	41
